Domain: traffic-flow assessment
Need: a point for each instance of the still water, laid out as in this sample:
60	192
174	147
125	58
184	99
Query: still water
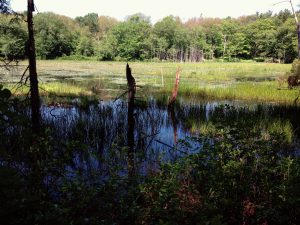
160	133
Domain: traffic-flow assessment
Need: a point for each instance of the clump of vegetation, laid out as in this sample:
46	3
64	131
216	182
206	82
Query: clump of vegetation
296	67
293	79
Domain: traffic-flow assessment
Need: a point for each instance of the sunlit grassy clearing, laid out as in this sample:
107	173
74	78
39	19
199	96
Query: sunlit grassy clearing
53	88
201	71
64	89
250	91
208	80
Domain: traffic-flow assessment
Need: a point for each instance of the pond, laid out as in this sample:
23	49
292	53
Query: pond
162	134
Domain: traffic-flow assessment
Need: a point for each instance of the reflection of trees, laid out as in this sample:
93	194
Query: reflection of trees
103	131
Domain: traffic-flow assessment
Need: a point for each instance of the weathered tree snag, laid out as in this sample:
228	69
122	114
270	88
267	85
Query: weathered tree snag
34	89
130	120
172	99
130	81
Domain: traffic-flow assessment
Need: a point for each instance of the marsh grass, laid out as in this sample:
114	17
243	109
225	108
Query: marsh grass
52	88
64	89
248	91
207	81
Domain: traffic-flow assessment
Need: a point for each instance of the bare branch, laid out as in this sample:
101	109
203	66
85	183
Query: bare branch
294	13
292	6
281	2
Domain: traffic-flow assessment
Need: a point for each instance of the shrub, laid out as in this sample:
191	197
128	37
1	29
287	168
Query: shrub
296	67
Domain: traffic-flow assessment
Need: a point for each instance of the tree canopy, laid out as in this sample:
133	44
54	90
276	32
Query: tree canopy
262	37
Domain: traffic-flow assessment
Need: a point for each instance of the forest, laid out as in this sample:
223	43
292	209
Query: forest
260	37
106	122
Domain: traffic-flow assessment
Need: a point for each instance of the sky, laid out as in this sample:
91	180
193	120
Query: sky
157	9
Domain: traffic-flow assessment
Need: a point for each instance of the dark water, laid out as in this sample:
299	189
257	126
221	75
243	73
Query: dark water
160	134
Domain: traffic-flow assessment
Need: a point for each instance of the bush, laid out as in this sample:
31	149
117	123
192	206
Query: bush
77	57
259	59
296	67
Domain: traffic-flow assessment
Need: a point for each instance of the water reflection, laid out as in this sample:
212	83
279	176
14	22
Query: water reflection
111	133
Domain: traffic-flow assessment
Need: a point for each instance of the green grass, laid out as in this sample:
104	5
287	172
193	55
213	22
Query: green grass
64	89
248	81
248	91
53	88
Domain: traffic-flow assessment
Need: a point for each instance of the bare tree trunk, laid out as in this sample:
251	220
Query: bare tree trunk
224	45
34	89
130	120
211	52
298	32
175	89
181	55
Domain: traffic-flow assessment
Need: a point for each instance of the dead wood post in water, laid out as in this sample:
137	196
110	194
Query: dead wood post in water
130	119
175	89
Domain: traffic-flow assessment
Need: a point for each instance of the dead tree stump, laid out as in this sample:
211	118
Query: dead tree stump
173	97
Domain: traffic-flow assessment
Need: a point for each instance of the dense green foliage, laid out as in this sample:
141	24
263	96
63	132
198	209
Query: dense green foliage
13	38
262	37
54	36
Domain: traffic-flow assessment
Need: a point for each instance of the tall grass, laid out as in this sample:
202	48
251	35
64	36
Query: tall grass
53	88
248	91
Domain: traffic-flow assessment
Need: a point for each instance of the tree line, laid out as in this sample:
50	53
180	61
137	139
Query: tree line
261	37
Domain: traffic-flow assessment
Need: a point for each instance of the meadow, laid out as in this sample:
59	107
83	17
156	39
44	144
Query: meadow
247	81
